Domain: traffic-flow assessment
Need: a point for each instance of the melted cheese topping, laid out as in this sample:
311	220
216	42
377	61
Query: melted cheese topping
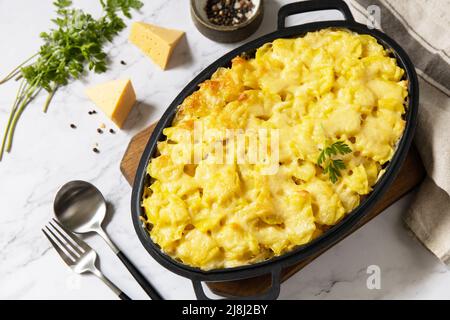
326	86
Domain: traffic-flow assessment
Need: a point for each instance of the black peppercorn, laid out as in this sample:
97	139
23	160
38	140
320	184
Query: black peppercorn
228	12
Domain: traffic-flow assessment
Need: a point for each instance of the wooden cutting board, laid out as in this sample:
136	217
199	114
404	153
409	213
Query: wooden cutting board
411	175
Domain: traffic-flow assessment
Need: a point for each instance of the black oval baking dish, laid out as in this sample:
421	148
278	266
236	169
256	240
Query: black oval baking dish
337	232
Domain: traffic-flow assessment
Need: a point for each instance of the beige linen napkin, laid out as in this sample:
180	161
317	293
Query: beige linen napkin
422	28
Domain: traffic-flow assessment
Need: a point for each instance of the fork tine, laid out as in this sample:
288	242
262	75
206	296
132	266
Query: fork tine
75	239
67	259
72	244
66	247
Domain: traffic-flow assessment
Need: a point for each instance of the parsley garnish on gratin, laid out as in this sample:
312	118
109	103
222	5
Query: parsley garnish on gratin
332	166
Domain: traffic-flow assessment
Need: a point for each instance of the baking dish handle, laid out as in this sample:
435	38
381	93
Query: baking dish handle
270	294
307	6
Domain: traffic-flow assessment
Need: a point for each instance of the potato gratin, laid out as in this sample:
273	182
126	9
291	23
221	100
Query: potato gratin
330	85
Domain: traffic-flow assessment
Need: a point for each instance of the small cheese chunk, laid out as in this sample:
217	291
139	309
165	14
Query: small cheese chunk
115	98
156	42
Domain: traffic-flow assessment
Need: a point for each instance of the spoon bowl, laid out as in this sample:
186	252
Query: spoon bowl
80	206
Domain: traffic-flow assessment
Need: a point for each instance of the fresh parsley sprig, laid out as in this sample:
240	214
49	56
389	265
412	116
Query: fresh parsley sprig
332	166
76	42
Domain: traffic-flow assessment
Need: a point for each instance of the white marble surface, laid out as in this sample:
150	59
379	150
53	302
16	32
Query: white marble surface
47	153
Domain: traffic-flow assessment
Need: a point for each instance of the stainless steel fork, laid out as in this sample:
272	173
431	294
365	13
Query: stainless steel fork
77	254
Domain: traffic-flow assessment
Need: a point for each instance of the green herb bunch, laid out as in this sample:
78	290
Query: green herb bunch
76	42
330	165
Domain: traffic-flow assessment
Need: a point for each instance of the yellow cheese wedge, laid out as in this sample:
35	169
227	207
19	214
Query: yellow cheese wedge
156	42
115	98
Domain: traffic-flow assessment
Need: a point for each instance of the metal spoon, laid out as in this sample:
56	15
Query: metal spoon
81	208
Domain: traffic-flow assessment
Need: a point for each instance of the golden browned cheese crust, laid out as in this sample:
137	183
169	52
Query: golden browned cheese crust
330	85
